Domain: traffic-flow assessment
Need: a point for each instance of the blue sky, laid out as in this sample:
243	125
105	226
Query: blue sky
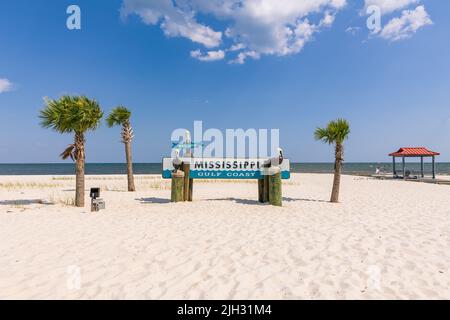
393	86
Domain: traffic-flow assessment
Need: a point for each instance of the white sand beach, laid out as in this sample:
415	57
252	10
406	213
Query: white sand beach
386	239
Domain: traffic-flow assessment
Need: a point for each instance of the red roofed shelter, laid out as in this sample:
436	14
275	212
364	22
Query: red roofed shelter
418	152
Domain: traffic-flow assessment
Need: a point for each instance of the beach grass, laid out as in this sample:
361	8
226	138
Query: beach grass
64	200
12	185
106	178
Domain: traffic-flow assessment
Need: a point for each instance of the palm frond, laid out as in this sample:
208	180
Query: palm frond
118	116
322	134
336	132
71	114
69	152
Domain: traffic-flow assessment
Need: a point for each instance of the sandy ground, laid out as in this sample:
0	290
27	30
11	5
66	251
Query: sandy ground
386	239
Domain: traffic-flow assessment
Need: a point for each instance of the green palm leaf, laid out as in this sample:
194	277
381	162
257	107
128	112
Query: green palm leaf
118	116
71	114
335	132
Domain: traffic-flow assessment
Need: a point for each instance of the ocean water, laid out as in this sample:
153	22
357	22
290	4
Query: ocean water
156	168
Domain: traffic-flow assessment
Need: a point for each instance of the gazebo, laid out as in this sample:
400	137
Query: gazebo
417	152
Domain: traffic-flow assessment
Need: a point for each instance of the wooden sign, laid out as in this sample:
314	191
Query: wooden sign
224	168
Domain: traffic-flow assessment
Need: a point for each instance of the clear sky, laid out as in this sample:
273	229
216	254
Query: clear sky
292	65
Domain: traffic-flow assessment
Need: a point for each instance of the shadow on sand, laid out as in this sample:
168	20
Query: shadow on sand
237	200
24	202
240	201
300	199
255	202
153	200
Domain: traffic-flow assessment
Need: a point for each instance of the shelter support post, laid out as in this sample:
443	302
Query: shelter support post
404	168
394	171
421	167
434	168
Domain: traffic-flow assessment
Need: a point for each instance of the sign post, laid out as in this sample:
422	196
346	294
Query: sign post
275	196
188	182
177	186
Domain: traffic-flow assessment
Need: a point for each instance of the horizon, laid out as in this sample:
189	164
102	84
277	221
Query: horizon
157	168
392	86
160	163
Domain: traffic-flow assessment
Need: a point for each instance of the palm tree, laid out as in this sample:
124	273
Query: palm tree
335	133
121	116
73	114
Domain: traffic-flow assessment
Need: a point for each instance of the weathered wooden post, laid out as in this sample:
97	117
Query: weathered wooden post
261	190
188	183
266	195
275	194
191	188
177	193
186	168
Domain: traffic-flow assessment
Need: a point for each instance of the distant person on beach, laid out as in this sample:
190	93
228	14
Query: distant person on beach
377	170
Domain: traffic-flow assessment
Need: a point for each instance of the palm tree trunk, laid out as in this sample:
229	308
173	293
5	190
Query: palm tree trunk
337	173
79	164
130	177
